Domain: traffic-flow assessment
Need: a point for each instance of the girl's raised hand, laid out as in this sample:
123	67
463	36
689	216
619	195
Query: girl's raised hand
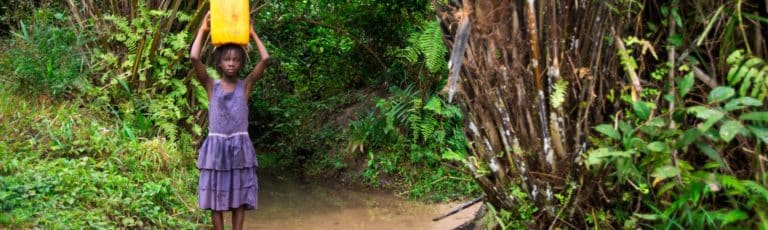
205	25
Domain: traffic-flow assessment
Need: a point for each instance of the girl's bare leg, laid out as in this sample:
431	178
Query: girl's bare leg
218	220
237	218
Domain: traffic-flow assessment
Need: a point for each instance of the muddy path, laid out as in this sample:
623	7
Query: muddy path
286	203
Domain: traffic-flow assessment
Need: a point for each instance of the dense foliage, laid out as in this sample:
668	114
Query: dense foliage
614	114
101	116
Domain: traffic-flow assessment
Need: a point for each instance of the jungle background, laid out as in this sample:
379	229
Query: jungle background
568	114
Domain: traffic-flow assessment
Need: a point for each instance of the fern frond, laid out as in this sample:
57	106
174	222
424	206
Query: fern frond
756	189
558	95
410	54
434	105
749	75
439	136
431	45
414	121
732	183
428	126
427	42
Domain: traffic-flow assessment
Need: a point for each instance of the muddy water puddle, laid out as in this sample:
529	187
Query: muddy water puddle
286	203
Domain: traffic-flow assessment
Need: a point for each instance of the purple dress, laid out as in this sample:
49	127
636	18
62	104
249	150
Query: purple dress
227	159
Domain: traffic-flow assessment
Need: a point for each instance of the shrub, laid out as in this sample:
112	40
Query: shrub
45	58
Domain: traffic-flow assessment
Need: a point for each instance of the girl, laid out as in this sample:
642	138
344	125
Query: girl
227	160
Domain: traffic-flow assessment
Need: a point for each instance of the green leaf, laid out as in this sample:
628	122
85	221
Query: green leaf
734	216
754	116
678	19
657	122
711	116
625	128
720	93
675	40
735	57
658	146
647	216
608	131
742	102
598	155
641	110
688	137
711	153
704	112
686	84
434	105
760	132
452	156
729	129
752	62
664	172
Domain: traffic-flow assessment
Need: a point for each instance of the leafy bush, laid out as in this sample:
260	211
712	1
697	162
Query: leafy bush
413	140
688	175
47	58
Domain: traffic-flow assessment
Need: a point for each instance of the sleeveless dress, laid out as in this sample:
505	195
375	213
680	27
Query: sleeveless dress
227	159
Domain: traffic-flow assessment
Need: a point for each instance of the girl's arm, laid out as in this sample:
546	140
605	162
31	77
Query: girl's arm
259	68
197	64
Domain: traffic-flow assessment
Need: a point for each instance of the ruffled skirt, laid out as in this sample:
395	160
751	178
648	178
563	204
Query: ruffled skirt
227	173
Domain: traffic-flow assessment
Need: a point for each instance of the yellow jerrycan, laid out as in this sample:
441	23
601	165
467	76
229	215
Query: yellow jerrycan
230	22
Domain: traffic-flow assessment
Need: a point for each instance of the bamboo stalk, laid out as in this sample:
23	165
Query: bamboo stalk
554	76
535	57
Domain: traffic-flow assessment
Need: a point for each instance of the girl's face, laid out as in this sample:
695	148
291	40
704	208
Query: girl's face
230	64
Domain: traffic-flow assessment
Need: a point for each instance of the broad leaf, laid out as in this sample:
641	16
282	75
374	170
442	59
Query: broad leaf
742	102
760	132
675	40
711	153
664	172
704	112
711	116
597	156
719	94
641	110
688	137
608	131
686	84
754	116
729	129
658	146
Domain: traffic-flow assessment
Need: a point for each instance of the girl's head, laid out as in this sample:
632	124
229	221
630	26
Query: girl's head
229	59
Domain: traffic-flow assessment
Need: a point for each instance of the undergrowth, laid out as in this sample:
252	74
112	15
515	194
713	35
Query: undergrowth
62	166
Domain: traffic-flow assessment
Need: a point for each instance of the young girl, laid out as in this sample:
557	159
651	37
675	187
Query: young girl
227	160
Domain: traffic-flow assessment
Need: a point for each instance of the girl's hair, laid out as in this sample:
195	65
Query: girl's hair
219	52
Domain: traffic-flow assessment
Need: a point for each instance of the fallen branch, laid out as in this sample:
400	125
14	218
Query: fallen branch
704	77
461	207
